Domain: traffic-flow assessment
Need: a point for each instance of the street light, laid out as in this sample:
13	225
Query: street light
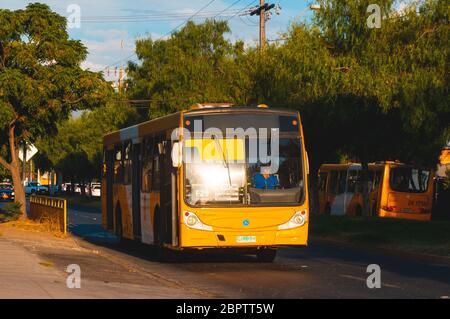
312	7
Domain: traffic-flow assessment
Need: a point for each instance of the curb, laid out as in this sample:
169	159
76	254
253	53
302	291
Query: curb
391	252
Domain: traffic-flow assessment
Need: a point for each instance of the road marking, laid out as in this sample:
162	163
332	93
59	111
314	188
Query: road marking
364	280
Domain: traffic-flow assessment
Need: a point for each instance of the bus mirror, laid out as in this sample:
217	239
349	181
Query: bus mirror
177	155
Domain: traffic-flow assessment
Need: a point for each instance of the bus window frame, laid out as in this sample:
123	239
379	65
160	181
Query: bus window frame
127	161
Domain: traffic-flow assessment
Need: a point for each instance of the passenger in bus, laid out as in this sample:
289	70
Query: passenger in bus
265	180
401	181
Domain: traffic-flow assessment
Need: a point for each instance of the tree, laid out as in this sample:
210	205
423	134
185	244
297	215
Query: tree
196	64
41	81
372	94
396	84
77	151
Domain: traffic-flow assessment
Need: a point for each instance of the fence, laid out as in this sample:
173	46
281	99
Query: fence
50	210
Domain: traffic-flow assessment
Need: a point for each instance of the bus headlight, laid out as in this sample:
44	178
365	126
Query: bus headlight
192	221
298	220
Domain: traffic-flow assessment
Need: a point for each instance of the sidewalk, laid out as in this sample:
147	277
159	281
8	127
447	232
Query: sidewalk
32	265
23	275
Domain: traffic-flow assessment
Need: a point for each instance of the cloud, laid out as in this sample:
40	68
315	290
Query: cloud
95	67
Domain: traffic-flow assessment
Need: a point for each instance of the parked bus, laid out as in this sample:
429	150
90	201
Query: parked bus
395	190
226	197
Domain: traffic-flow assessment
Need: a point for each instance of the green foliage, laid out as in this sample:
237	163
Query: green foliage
373	94
41	81
10	212
397	73
196	64
77	150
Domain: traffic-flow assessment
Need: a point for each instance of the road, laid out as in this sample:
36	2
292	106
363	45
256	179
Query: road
318	271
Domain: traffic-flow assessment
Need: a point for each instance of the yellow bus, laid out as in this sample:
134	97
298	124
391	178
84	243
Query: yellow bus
209	178
395	190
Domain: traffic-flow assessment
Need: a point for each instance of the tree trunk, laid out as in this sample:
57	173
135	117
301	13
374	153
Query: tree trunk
14	168
19	190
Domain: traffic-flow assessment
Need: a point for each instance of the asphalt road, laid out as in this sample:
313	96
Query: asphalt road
318	271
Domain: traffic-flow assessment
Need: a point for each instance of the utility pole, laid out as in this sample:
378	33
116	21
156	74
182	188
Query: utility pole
263	12
262	26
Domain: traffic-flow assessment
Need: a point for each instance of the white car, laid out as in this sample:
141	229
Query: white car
96	190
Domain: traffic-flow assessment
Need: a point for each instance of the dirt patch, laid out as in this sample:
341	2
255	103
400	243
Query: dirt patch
33	226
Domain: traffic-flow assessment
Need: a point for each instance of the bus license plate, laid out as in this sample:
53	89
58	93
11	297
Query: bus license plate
246	239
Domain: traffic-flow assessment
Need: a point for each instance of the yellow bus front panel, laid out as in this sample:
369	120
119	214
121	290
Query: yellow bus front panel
244	227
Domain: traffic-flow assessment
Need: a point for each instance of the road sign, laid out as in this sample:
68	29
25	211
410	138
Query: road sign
31	151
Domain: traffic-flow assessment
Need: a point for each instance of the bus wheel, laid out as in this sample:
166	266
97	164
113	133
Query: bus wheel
266	255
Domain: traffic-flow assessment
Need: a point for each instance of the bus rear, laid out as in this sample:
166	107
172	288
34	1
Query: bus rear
243	180
407	192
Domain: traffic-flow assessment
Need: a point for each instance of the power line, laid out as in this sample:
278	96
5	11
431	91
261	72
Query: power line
179	25
157	17
237	1
242	10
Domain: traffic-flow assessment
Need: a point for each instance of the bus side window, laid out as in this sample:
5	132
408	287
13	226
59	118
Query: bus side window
352	184
147	166
333	182
118	165
342	179
323	181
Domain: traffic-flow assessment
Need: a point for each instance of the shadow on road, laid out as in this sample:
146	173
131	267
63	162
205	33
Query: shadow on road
90	230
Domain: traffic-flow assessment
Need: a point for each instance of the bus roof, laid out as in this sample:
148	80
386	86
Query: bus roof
173	120
159	124
357	166
240	109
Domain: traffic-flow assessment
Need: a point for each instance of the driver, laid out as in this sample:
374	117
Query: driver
265	180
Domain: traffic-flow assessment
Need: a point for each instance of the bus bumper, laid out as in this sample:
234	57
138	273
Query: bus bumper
243	238
413	216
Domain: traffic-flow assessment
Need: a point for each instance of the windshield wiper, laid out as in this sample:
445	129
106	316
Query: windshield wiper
224	158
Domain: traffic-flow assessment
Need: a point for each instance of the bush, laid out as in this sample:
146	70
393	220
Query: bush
10	212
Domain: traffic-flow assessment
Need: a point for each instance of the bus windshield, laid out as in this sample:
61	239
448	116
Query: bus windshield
248	170
409	179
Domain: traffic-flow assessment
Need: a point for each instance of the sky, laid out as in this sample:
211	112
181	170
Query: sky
110	40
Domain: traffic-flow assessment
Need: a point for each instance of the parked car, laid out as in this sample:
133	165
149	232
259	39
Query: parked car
55	189
78	188
6	191
35	188
96	190
65	187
